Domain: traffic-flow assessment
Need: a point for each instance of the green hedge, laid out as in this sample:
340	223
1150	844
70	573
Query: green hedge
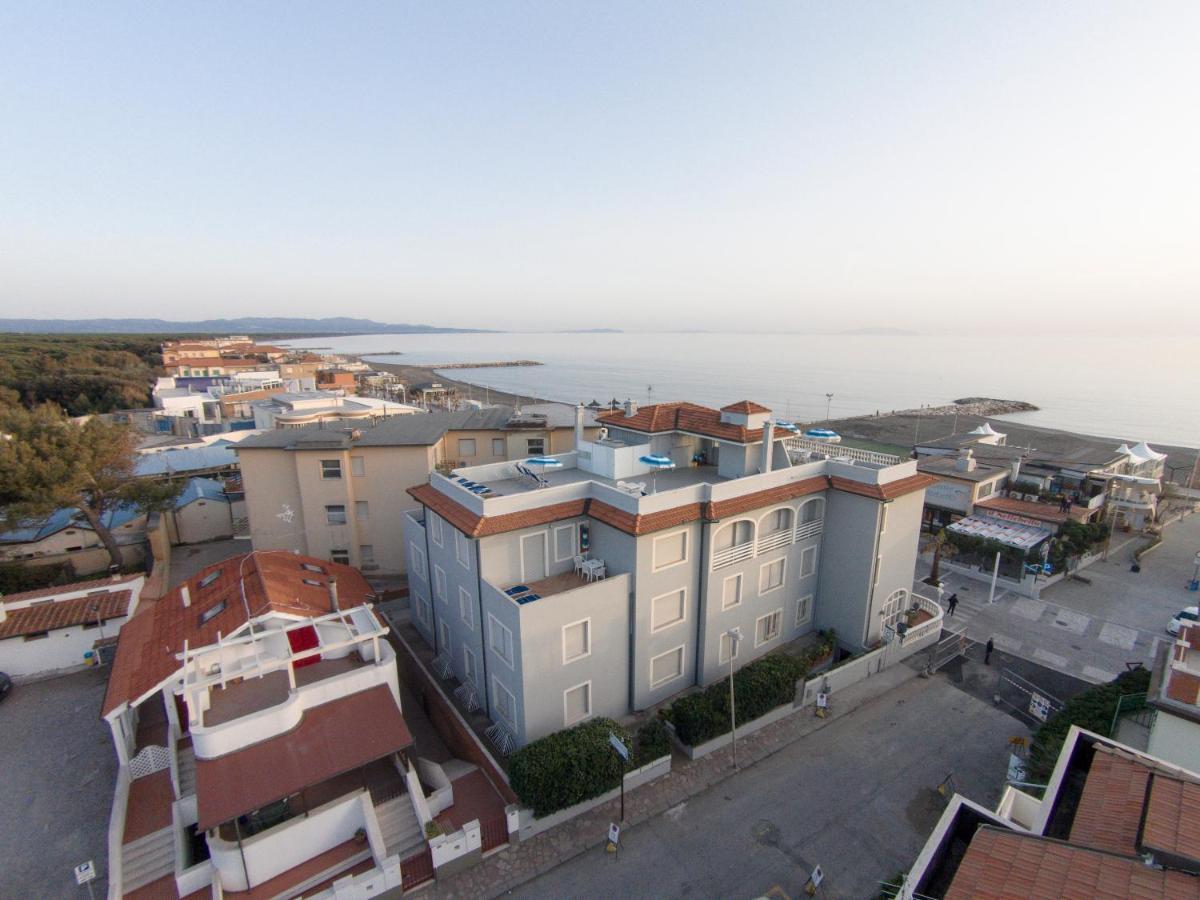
1093	709
652	742
759	687
567	767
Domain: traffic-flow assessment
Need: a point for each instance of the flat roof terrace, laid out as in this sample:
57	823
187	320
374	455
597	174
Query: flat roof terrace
659	482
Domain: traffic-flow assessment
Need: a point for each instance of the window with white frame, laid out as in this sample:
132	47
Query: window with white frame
466	609
666	667
577	640
462	549
735	534
498	447
500	639
466	446
812	511
366	554
439	583
808	562
340	556
668	609
503	702
362	511
435	528
470	673
731	591
424	613
776	521
565	543
804	610
670	550
766	628
331	468
770	575
335	515
535	446
416	556
577	703
358	466
728	644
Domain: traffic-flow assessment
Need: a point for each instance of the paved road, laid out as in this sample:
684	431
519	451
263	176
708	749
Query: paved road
857	797
56	790
1089	631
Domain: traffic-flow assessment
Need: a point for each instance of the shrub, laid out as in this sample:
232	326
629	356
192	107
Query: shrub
1093	709
759	687
651	743
16	578
567	767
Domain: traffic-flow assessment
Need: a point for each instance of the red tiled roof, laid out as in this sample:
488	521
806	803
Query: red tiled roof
94	584
331	739
1110	807
663	417
1002	865
65	613
474	525
1046	512
274	581
230	362
1173	818
745	407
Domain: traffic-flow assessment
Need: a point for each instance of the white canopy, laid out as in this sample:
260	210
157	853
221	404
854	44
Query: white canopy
1145	452
1014	534
985	429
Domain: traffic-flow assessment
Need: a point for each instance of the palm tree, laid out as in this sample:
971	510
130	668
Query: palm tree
941	548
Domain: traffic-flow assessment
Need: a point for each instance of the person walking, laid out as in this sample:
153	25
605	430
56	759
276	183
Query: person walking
987	652
952	604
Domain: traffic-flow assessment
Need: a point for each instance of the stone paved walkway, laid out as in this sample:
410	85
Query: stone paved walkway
519	863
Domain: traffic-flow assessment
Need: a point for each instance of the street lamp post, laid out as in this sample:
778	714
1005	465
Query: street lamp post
734	635
828	401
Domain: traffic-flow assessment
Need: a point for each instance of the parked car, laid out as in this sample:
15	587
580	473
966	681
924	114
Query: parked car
5	685
1189	616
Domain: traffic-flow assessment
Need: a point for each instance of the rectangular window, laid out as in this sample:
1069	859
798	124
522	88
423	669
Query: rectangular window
670	550
577	703
435	528
504	703
417	556
212	612
37	635
213	576
340	556
564	543
668	609
462	549
535	446
466	447
331	468
470	673
498	447
808	562
358	466
728	642
362	511
466	609
366	554
424	613
804	611
666	667
731	593
770	576
439	583
335	515
577	640
767	627
500	639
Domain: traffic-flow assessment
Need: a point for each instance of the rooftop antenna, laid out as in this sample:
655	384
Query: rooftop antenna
649	393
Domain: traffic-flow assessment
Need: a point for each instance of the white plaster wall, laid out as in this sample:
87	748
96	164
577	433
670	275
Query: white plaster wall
61	649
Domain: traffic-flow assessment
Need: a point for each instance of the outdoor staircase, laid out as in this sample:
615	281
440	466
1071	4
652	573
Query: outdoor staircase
402	833
147	859
187	771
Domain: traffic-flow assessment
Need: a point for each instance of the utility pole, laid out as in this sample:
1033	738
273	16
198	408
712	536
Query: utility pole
828	403
734	635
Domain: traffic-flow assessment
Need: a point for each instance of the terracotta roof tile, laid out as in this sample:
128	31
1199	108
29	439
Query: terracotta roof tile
96	584
1173	817
721	509
1110	807
745	407
663	417
1046	512
65	613
1183	686
274	581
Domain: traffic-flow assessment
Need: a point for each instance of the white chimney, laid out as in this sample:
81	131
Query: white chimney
965	461
578	426
630	408
185	596
333	597
768	447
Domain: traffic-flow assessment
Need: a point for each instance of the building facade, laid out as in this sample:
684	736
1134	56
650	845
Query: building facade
601	586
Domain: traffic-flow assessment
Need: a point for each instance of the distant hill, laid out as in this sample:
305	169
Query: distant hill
248	325
894	332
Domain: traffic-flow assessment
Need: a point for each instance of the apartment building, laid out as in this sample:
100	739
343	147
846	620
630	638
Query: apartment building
295	409
602	585
1174	700
339	492
256	715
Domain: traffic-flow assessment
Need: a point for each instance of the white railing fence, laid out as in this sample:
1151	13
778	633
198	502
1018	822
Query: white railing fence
801	445
731	555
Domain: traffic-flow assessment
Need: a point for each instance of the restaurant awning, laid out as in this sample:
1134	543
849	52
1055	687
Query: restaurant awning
1013	534
331	739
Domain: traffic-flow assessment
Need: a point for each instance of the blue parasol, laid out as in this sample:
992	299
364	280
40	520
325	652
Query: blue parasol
656	462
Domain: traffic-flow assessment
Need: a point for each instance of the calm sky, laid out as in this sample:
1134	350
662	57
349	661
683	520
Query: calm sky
1012	166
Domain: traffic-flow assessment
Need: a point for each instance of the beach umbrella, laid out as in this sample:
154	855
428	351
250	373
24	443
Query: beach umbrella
788	426
656	462
546	462
823	434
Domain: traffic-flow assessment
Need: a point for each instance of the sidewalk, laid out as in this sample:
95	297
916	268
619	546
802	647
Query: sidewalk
521	862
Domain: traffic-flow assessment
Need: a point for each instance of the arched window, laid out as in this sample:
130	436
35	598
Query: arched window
732	543
775	521
894	607
812	511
